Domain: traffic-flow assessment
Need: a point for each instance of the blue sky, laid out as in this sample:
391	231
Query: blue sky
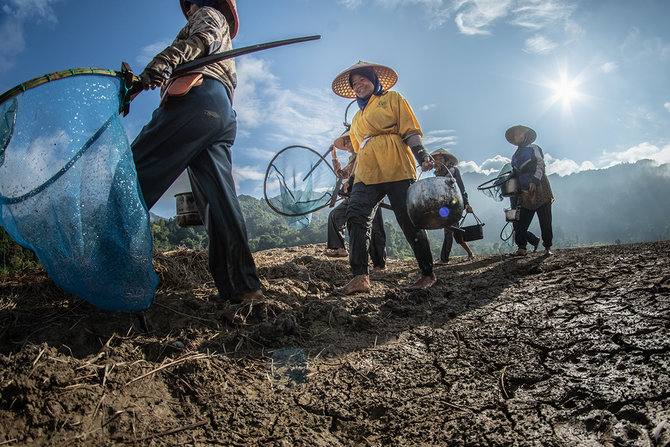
591	77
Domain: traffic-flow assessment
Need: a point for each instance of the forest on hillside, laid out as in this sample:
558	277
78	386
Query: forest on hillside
622	204
618	205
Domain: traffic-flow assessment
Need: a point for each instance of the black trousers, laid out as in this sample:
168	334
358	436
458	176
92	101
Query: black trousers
363	204
196	131
521	234
337	222
448	242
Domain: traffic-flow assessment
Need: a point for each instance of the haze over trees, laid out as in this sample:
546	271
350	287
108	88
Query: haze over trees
626	203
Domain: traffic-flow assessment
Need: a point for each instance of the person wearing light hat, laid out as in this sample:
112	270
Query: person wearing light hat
445	165
386	136
194	128
536	195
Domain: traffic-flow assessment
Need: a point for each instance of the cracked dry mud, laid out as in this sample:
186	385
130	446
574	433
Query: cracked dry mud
567	350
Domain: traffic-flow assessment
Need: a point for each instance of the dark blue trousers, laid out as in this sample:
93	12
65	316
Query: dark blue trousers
363	204
521	234
196	132
337	222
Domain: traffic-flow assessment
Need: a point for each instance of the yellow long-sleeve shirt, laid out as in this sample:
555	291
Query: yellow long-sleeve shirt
377	136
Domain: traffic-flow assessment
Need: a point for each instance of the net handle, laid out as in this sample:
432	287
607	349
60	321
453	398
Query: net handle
14	91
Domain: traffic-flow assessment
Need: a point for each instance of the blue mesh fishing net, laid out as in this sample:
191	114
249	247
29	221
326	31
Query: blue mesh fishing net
298	182
69	191
492	188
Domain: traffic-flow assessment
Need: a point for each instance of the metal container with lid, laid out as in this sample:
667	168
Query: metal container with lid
187	212
434	202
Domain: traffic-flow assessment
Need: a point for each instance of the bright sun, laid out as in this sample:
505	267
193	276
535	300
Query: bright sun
565	90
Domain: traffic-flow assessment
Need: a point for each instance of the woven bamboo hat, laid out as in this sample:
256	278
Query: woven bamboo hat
447	155
518	135
229	10
342	87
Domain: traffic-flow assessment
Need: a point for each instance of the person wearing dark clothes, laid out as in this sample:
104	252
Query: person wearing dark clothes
445	165
535	195
337	219
194	128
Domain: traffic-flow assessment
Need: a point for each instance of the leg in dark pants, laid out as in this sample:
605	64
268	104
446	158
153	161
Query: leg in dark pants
446	245
197	131
337	221
378	241
417	239
521	227
360	212
544	216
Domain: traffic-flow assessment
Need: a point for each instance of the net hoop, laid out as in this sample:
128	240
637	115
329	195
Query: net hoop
494	182
12	92
269	170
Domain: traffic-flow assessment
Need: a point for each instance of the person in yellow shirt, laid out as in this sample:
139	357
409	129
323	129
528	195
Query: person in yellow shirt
386	137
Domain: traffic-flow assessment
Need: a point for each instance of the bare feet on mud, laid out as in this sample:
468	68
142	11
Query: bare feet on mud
378	268
424	283
337	252
520	253
248	297
359	283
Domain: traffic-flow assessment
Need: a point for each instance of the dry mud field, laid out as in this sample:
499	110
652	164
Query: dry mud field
567	350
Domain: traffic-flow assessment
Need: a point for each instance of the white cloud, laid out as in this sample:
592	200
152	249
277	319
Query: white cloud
566	166
536	15
490	166
643	151
667	106
242	173
435	139
148	52
476	16
609	67
16	13
427	107
539	45
309	117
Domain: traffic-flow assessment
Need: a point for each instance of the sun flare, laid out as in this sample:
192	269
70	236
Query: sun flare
565	91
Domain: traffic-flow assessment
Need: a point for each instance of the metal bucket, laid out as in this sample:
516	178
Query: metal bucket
434	202
510	187
187	212
512	214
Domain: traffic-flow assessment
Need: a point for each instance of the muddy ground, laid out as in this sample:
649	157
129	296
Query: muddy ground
567	350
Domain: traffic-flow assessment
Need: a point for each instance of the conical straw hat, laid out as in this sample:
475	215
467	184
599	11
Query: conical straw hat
518	135
447	155
387	77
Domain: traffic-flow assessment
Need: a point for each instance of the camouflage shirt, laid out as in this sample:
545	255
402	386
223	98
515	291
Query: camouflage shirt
206	32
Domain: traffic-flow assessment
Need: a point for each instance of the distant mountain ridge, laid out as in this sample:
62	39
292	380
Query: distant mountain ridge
623	204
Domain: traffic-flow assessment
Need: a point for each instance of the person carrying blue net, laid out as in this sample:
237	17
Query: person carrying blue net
194	129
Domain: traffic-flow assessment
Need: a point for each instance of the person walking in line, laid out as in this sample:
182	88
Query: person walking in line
337	220
387	138
194	129
535	195
445	165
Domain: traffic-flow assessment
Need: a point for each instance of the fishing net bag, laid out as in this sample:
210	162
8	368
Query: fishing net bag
69	190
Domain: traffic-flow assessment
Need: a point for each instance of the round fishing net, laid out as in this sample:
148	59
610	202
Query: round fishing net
492	188
299	181
69	191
